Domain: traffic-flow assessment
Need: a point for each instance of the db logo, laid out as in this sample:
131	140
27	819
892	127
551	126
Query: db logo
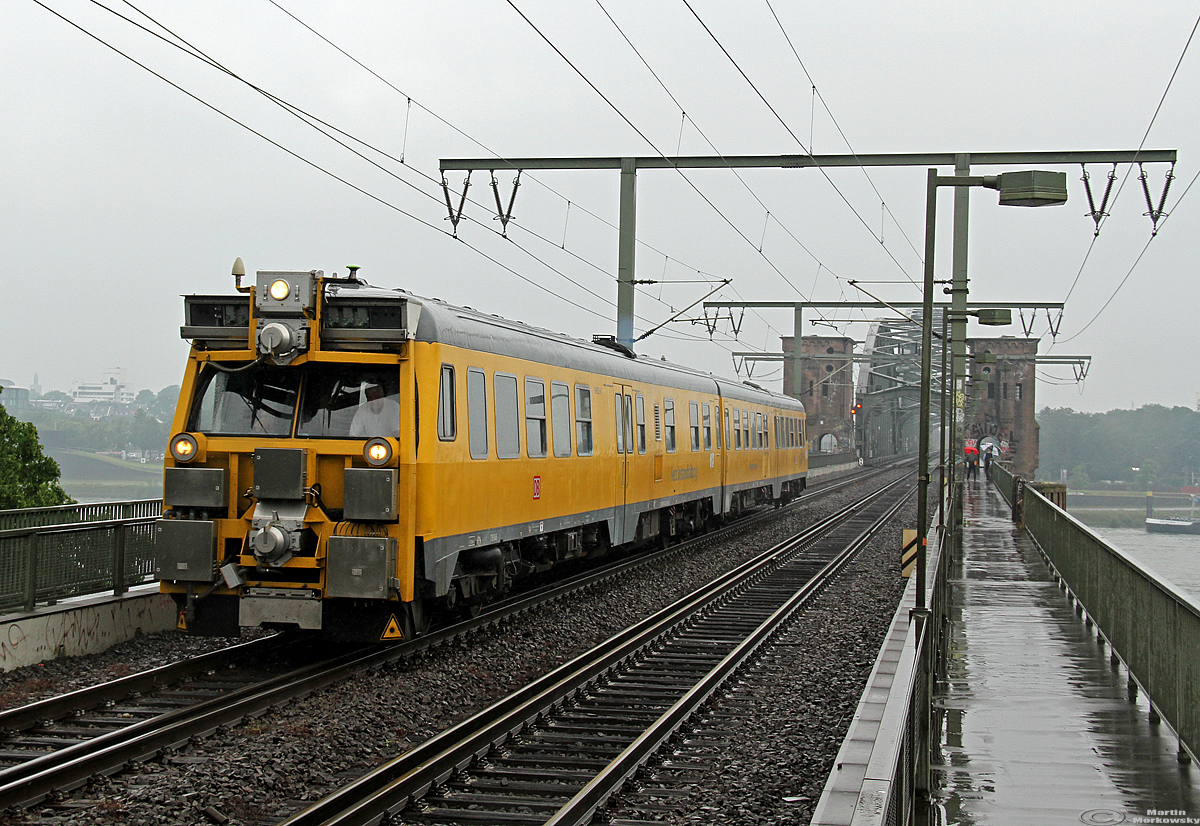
537	487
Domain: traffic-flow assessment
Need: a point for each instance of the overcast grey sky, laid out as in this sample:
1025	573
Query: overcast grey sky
120	192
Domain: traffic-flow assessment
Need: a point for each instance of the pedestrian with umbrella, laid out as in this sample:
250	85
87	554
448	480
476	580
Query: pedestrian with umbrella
972	454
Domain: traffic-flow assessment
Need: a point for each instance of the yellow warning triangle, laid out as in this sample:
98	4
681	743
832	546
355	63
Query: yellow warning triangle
392	632
181	623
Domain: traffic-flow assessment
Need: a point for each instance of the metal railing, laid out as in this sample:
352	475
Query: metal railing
67	514
1150	624
92	552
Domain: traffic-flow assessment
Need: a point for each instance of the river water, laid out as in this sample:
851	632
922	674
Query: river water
1173	557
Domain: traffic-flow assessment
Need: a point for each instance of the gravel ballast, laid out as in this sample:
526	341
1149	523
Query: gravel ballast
266	768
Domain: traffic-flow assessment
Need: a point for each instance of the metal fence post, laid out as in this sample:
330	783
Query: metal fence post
118	563
31	571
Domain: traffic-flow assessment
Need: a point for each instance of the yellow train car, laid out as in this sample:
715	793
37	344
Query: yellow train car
350	459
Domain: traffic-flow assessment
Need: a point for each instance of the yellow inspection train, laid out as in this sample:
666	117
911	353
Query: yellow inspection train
352	459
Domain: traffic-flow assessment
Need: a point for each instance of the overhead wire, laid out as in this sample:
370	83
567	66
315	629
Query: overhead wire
500	159
817	94
797	139
1103	219
313	164
643	136
721	156
313	120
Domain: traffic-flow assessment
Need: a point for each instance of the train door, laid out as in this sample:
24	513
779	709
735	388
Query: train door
626	522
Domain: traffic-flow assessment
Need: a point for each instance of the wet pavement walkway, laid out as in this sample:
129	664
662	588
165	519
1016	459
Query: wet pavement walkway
1036	725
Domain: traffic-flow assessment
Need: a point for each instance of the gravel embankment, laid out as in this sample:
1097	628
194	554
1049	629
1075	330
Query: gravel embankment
262	769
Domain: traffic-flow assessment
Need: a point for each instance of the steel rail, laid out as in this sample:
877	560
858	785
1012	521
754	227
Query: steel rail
581	808
392	786
94	696
70	767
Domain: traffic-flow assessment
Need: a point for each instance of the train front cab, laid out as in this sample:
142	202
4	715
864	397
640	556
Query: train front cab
282	506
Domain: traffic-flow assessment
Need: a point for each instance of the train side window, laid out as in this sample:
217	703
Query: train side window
535	417
619	411
447	416
728	444
737	428
761	420
560	417
477	413
583	420
746	428
628	423
669	423
694	413
508	422
641	423
765	420
706	420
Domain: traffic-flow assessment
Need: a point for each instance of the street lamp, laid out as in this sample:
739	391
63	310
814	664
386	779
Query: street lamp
991	317
1028	188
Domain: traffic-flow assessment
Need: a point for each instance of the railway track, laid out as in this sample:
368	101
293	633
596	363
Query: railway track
58	744
553	752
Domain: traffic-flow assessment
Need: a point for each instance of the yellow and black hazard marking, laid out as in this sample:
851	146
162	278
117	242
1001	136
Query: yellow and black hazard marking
908	552
393	630
181	623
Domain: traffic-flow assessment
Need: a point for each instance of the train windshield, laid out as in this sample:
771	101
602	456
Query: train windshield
335	401
348	401
258	401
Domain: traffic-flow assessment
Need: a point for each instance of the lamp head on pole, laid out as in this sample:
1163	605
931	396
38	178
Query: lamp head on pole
1033	187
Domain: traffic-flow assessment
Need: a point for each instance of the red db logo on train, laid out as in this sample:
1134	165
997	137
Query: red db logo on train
537	487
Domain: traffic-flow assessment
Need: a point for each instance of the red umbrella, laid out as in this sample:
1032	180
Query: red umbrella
971	451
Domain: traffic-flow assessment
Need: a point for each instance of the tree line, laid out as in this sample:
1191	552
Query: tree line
1150	447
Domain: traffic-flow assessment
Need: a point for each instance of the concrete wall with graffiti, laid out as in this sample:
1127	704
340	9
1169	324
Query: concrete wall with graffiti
66	631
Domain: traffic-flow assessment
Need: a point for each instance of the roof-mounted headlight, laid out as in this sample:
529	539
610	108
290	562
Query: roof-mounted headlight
280	289
185	448
378	451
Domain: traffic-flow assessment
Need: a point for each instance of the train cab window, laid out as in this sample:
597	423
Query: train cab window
508	422
535	417
706	420
347	401
447	417
258	401
477	413
737	428
583	420
694	413
619	411
560	417
669	423
641	423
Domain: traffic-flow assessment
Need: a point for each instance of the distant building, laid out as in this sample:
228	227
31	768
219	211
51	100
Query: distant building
13	398
1000	400
827	391
111	390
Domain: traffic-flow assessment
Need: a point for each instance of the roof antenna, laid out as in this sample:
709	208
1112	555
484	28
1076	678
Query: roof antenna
239	271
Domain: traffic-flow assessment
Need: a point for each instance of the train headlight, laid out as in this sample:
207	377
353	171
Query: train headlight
378	452
280	289
185	448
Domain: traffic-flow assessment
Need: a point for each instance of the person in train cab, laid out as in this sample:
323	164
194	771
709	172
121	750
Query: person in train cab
379	415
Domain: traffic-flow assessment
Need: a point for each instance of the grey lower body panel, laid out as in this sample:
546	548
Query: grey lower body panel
441	553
